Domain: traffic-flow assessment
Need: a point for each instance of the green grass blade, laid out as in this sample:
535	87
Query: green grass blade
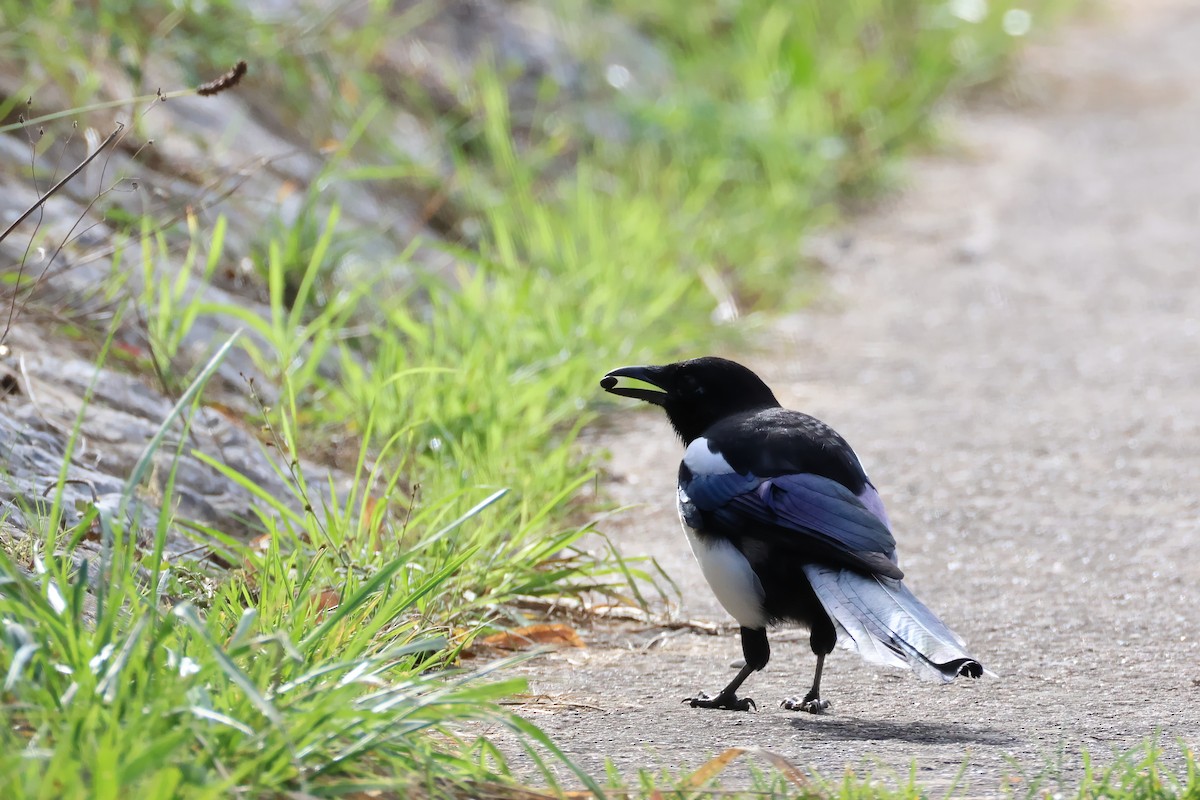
187	613
142	466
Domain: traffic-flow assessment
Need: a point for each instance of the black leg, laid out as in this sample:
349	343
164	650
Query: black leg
812	702
757	651
822	640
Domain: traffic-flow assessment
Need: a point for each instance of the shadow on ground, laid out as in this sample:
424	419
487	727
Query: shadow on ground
868	730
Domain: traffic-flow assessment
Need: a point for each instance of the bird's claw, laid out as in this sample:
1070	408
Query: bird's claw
725	700
813	705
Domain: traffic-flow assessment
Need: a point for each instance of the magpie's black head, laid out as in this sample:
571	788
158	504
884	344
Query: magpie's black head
695	394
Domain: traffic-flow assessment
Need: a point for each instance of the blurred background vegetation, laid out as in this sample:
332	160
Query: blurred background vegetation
435	225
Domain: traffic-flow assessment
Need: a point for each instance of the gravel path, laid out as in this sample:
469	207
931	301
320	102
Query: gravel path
1013	347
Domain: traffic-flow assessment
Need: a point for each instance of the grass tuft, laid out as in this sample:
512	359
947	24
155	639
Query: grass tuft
426	434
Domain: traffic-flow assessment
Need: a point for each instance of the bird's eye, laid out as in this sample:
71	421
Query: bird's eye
691	387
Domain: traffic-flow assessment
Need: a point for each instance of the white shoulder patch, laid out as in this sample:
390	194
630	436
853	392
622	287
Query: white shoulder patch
703	460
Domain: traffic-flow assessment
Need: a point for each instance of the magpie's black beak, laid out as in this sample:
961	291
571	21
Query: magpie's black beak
640	383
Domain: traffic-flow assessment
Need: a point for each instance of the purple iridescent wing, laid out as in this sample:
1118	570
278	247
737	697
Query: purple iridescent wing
816	514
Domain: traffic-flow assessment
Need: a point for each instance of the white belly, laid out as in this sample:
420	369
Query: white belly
731	578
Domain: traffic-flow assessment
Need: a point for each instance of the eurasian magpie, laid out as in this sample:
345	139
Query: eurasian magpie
787	526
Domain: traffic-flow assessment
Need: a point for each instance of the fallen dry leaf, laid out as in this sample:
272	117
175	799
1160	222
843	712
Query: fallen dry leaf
326	600
715	766
530	635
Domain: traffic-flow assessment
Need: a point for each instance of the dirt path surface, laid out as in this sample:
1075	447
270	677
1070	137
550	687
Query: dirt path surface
1013	348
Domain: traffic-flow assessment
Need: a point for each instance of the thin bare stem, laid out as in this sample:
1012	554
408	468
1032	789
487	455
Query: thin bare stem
70	112
65	180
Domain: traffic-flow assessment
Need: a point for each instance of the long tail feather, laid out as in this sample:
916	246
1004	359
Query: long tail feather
889	626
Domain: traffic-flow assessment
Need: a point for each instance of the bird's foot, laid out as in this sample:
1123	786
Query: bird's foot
813	705
726	700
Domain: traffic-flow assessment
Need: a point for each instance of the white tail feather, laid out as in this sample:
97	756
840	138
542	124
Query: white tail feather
888	625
